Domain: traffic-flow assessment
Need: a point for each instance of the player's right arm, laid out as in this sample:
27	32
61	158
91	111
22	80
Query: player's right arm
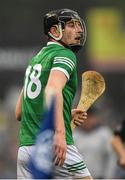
64	64
19	106
56	83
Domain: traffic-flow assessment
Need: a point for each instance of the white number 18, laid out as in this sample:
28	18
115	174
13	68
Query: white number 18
34	76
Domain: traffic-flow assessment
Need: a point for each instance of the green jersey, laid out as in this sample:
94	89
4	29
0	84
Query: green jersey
54	56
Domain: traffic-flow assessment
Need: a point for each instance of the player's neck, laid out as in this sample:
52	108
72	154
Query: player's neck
56	42
61	43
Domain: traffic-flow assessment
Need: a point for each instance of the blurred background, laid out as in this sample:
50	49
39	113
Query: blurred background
21	37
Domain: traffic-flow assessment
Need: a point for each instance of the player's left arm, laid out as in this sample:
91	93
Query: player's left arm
78	116
19	107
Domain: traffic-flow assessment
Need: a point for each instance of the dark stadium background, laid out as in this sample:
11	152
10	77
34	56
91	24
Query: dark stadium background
21	36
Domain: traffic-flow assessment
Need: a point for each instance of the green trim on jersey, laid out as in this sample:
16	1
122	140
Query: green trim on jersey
54	56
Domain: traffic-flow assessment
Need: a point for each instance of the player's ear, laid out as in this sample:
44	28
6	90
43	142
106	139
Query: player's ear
54	31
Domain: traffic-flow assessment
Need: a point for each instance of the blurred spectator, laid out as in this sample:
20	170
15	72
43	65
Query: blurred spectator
93	141
118	144
8	135
7	162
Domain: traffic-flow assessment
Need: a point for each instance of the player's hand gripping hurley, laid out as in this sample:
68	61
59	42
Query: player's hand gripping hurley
93	86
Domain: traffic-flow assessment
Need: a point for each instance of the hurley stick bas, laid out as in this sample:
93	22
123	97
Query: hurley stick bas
93	86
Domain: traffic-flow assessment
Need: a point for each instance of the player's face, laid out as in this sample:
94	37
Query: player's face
72	32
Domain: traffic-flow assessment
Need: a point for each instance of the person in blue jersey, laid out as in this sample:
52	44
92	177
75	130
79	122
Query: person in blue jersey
54	67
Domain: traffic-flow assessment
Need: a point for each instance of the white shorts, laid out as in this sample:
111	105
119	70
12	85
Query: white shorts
73	167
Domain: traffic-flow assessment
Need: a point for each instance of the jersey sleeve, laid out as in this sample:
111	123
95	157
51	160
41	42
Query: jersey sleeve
64	61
